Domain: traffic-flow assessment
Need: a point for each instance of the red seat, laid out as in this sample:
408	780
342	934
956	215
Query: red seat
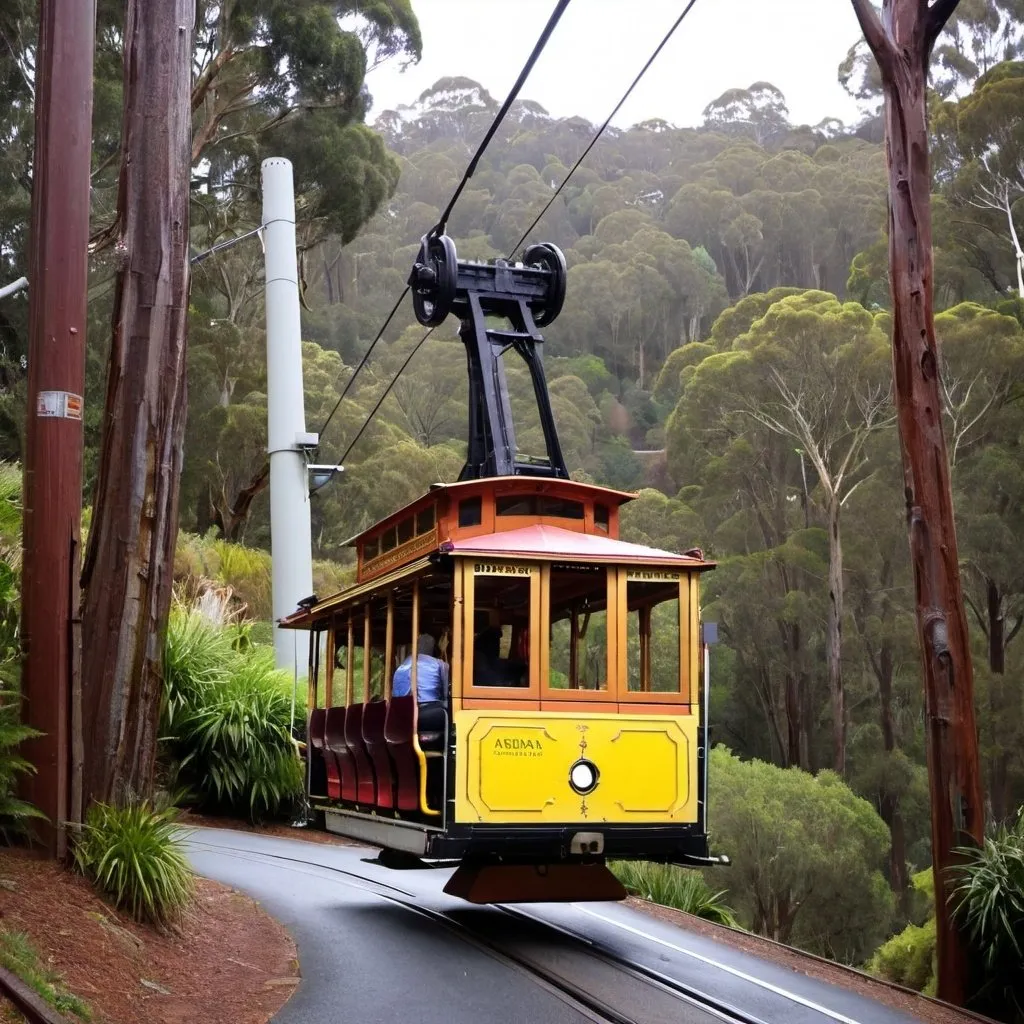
341	773
374	715
317	756
398	732
366	790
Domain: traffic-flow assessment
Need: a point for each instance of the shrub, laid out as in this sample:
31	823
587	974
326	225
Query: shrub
988	900
133	855
18	956
197	656
806	856
908	958
234	743
672	886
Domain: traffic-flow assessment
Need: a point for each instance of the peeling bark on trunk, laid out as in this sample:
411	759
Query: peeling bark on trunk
902	47
127	574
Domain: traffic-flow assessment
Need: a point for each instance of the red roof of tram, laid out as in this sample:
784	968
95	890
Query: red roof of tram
551	541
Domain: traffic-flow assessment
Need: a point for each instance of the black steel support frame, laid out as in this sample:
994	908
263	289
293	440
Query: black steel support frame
501	290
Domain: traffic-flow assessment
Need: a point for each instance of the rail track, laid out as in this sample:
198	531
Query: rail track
600	983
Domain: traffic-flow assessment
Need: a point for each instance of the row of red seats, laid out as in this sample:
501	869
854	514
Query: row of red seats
368	752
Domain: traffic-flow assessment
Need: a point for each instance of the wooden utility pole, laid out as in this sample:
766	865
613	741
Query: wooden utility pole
128	568
56	377
902	43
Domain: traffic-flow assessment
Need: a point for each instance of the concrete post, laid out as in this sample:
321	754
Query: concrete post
287	440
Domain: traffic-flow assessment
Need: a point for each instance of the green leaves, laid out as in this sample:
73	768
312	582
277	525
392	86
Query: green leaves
227	719
672	886
133	854
988	900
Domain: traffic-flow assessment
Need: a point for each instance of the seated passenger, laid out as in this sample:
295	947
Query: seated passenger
431	684
489	668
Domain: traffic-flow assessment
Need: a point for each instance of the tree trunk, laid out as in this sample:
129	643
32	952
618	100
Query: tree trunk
127	574
999	707
834	640
902	48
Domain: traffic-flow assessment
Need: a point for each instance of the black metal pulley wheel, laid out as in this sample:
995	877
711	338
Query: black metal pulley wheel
550	257
433	280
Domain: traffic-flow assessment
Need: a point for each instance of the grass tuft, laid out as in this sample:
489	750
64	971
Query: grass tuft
677	887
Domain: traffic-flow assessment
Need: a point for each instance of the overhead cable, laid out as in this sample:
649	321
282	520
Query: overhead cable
373	411
600	131
556	14
439	228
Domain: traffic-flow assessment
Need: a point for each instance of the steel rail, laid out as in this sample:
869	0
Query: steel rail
552	980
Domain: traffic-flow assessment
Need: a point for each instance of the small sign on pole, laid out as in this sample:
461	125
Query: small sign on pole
59	405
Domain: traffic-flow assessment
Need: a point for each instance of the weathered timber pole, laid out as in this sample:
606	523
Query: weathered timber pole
56	377
128	568
902	44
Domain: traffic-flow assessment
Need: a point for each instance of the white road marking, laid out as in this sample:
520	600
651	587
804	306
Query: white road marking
722	967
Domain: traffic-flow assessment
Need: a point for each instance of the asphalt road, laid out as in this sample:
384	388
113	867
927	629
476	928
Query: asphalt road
377	945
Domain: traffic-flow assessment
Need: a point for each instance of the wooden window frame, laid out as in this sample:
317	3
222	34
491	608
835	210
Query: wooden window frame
688	694
608	695
517	694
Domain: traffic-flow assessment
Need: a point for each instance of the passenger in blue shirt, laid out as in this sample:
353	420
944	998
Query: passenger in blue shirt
431	687
431	674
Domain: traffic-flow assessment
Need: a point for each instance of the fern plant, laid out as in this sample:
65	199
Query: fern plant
15	814
133	855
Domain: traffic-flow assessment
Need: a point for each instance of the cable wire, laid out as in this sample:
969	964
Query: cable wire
600	131
439	228
556	14
373	411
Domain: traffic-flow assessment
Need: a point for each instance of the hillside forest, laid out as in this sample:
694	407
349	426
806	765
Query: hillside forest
723	351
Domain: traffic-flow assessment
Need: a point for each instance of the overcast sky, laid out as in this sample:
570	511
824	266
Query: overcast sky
600	45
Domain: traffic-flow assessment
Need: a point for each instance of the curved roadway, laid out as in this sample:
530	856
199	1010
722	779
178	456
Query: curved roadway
378	945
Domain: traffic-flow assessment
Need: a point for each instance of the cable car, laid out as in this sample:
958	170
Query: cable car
508	686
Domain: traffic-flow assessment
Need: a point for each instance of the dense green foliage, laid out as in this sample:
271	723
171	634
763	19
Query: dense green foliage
227	718
908	958
723	350
133	854
989	902
18	956
806	856
677	887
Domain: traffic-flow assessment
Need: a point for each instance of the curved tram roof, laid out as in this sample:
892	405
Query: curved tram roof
520	517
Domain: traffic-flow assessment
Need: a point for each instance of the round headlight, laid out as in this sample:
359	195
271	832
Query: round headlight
583	776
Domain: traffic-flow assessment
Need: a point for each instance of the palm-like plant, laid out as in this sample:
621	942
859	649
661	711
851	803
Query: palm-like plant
989	901
133	854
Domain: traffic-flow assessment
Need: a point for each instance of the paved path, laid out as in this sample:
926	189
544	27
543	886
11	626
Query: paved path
377	945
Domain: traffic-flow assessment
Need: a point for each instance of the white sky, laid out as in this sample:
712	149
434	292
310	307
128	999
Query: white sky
599	46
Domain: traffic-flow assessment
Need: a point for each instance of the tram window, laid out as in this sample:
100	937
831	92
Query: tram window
370	549
559	508
388	540
425	520
519	505
501	644
601	517
539	505
578	653
471	511
652	637
405	530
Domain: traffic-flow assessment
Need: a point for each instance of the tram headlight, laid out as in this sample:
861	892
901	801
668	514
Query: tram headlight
583	776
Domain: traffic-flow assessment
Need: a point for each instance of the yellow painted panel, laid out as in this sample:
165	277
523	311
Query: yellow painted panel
514	767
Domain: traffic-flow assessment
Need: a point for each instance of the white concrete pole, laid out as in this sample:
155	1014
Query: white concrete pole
290	535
